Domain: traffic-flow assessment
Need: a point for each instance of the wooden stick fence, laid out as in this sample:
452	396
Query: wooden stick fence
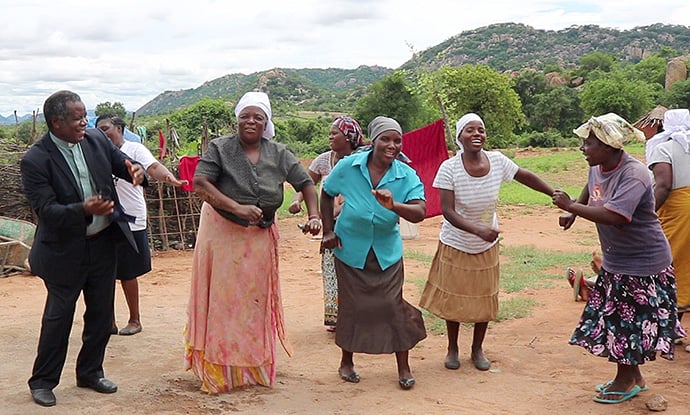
173	217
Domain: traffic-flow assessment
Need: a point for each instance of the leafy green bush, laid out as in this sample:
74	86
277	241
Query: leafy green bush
546	139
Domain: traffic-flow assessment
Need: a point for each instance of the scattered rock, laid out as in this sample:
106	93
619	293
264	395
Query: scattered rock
676	70
657	404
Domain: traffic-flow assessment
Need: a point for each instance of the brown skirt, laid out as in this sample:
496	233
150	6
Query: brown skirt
462	287
373	317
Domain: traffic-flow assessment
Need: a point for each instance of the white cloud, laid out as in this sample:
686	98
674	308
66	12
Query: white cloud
131	51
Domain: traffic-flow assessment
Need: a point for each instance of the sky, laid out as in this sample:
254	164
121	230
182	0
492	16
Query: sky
130	51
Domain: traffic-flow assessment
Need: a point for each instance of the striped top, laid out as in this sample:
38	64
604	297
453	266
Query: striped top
476	198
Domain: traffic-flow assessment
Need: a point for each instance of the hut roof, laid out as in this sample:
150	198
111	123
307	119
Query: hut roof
652	118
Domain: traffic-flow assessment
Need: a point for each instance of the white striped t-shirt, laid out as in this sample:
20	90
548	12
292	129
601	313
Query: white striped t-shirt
475	198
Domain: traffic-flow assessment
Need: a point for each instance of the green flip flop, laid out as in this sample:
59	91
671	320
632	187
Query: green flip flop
623	396
605	385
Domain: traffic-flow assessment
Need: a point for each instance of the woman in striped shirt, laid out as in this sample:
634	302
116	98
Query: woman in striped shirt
463	278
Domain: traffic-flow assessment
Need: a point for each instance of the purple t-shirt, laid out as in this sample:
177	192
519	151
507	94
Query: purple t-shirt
638	247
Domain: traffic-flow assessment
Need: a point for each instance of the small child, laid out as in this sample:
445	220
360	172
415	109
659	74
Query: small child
582	285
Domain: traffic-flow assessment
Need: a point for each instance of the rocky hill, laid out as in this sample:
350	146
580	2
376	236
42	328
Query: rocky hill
310	89
505	46
512	46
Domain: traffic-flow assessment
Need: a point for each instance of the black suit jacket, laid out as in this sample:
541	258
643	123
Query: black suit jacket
55	196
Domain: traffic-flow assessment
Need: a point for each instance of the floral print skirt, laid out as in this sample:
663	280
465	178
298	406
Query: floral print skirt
628	318
330	289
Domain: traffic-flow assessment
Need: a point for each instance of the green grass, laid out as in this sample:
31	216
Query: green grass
419	256
287	199
528	267
561	168
518	307
523	267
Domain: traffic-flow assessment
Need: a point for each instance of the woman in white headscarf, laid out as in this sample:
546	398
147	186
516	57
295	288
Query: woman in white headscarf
631	310
463	278
235	312
668	156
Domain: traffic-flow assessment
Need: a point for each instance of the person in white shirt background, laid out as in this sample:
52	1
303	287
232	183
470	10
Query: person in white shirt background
132	264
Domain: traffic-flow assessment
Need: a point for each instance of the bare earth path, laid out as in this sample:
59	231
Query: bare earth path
534	370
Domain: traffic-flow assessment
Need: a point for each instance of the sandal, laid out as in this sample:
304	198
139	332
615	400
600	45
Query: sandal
603	386
572	278
352	377
406	384
130	329
623	396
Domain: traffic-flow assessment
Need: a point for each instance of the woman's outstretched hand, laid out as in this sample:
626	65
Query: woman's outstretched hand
563	201
313	226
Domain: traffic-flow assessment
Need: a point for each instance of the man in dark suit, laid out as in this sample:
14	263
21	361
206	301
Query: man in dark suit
67	178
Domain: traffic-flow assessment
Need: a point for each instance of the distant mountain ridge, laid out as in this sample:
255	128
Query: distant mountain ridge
9	120
504	47
310	88
514	46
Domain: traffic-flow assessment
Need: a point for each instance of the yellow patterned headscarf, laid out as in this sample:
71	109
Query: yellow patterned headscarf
611	129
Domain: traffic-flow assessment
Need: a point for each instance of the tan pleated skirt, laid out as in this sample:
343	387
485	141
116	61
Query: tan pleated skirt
462	287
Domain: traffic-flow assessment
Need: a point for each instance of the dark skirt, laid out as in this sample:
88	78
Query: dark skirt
628	318
373	317
130	263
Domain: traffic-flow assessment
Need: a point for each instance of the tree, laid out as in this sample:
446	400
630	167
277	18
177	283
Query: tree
667	52
650	70
596	60
478	89
215	112
106	108
558	109
392	97
679	95
529	85
303	137
629	99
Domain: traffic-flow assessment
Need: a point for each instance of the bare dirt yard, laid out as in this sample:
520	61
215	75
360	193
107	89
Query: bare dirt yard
534	370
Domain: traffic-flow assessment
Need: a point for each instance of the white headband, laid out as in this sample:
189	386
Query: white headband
462	122
260	100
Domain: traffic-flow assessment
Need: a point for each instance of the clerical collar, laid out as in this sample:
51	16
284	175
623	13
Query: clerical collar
60	142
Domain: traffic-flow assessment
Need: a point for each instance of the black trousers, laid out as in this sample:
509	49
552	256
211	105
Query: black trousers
96	279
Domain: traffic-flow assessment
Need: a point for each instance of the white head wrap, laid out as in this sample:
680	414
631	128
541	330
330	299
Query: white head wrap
611	129
462	122
260	100
676	127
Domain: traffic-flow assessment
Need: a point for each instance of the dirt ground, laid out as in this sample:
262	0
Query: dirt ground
534	370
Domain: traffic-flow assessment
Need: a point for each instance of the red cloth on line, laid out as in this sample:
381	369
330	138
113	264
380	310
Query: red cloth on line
162	148
427	149
186	169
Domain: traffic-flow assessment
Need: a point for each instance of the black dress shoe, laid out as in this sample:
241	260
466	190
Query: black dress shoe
101	385
43	397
